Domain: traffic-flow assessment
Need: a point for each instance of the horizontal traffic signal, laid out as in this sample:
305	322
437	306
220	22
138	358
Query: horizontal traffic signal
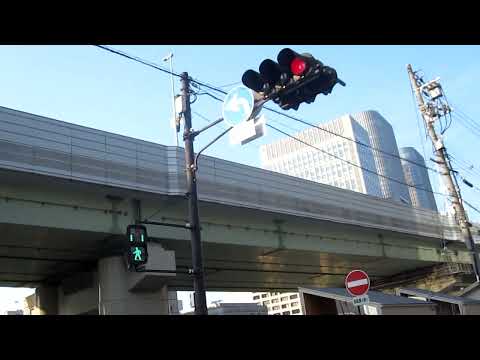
295	78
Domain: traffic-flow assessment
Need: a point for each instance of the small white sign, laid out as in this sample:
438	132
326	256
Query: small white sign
361	300
247	131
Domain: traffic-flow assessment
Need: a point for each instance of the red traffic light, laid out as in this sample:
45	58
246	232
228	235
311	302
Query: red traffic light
298	66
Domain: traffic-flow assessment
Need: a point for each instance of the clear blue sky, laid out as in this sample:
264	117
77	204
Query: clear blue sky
91	87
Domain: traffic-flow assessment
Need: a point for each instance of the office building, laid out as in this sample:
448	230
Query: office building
279	303
382	137
235	309
353	166
417	175
292	157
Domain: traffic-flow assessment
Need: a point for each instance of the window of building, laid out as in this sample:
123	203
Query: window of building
274	301
295	303
286	313
256	297
284	306
285	298
296	311
264	295
266	302
276	308
294	296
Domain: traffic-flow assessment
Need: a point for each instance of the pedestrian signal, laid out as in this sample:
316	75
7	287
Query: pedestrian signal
136	247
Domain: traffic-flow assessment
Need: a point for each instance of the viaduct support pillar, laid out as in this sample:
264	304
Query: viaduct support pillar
121	292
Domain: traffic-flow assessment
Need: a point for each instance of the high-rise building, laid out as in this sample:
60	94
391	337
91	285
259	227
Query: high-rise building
382	137
417	175
292	157
353	166
279	303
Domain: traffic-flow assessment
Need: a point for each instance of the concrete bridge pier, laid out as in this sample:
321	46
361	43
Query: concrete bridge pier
46	300
110	289
121	292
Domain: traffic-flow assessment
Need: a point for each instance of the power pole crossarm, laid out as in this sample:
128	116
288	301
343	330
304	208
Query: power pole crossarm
441	159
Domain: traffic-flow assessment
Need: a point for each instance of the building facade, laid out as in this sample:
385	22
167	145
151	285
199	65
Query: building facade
341	169
417	175
352	165
382	138
279	303
235	309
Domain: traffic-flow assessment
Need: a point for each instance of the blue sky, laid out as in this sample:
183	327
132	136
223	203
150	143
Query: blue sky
91	87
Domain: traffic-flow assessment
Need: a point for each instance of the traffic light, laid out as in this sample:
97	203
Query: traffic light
293	79
136	246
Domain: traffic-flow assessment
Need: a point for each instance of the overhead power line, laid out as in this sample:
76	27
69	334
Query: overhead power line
156	66
137	59
339	135
351	163
471	206
216	88
334	156
465	165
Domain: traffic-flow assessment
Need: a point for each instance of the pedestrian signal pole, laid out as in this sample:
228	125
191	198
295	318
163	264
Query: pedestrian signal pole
194	221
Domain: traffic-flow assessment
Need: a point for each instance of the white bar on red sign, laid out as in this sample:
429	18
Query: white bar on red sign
357	283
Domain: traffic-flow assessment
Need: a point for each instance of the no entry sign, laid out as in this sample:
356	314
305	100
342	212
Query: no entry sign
357	283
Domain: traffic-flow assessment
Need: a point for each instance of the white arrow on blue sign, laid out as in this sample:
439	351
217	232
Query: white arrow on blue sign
238	105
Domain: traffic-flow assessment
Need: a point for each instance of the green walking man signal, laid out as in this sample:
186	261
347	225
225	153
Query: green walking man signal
136	247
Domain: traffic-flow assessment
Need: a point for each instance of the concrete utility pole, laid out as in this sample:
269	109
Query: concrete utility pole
430	115
194	221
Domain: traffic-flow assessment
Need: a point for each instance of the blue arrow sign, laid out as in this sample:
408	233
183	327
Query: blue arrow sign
238	105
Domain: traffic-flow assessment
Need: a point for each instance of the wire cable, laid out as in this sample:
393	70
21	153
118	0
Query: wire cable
466	165
198	83
157	67
137	59
351	163
471	206
339	135
229	85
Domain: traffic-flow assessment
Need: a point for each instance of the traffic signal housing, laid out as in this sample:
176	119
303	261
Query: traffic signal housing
136	246
295	78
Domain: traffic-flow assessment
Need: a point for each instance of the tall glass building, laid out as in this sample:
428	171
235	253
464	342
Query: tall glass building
382	137
353	166
417	175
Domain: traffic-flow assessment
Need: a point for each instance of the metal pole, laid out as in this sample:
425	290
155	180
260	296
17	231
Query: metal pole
197	259
174	112
445	171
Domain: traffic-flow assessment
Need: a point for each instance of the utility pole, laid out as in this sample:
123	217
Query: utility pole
430	115
194	221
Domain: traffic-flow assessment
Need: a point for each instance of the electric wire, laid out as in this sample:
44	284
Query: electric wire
137	59
351	163
198	84
471	206
468	167
339	158
339	135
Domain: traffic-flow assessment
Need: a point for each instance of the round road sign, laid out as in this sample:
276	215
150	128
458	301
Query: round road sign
357	283
238	105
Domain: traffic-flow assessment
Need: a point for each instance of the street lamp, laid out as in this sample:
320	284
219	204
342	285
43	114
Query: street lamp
169	57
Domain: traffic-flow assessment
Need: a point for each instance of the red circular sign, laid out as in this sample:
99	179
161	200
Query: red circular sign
357	283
